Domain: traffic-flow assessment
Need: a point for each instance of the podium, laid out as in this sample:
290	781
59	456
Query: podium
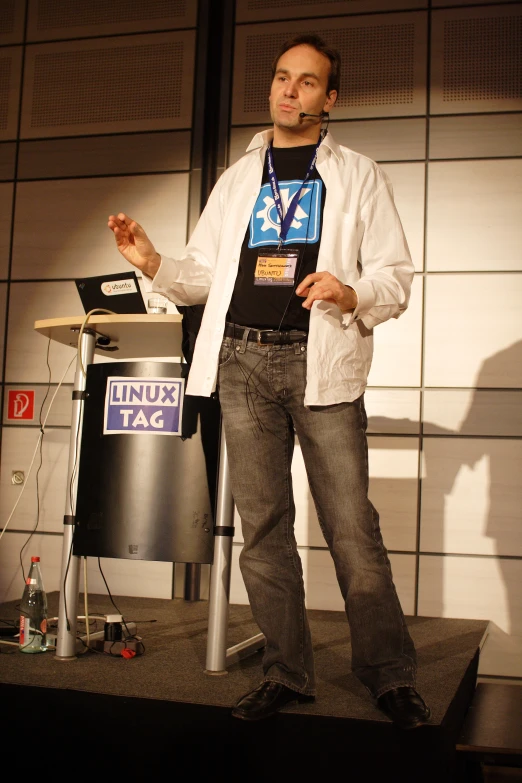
137	337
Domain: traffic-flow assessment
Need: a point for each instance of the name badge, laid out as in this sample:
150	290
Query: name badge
276	268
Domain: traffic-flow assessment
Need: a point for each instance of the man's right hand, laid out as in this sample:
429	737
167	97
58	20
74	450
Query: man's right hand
134	244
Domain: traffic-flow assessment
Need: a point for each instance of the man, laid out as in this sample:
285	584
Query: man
293	290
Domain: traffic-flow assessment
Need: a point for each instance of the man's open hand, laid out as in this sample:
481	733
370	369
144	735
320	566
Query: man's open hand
134	244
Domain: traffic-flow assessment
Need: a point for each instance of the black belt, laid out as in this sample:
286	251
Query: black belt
266	336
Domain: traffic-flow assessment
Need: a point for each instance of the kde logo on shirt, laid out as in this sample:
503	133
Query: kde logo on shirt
265	223
143	405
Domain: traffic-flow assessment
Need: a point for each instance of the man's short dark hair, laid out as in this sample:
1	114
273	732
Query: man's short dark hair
317	43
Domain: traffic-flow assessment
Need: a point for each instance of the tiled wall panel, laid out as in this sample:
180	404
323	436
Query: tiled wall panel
69	86
51	21
473	331
397	345
394	469
474	215
239	140
384	140
7	159
475	60
12	27
257	10
104	155
3	296
61	225
439	3
45	488
472	587
381	140
16	545
476	136
6	203
408	188
26	348
473	412
10	75
393	411
142	578
472	496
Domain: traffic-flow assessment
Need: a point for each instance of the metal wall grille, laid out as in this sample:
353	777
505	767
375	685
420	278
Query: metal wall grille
378	64
7	16
74	13
270	10
260	50
482	59
255	5
5	83
81	87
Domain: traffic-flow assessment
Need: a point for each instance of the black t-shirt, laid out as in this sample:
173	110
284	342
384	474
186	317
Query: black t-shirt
275	306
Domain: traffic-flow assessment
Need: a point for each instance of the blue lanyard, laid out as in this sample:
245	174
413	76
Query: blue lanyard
287	219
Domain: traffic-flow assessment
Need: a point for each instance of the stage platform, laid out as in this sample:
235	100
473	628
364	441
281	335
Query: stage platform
162	708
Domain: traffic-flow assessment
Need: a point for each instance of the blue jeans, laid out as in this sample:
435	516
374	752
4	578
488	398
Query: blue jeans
261	391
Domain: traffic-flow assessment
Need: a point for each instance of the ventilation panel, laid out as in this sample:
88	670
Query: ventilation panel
112	85
10	72
477	60
383	68
49	20
265	10
11	21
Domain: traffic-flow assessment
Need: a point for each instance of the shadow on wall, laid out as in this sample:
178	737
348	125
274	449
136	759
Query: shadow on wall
498	498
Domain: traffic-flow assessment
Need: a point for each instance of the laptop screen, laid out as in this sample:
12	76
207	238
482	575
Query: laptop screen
119	293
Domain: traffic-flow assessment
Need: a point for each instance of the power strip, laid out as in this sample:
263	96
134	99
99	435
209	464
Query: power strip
83	641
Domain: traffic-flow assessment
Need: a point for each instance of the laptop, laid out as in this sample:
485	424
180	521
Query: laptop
119	292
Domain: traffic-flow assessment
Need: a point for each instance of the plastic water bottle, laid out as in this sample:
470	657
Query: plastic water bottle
33	612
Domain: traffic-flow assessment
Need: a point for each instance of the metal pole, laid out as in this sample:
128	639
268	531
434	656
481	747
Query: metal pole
70	569
192	581
217	654
221	566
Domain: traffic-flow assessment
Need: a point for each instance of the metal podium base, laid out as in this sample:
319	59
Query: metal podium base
218	656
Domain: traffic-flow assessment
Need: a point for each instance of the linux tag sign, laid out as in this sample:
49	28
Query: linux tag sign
143	405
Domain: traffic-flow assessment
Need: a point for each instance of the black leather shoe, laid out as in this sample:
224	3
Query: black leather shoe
404	707
265	700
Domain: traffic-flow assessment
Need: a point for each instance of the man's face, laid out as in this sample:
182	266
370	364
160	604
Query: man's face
300	85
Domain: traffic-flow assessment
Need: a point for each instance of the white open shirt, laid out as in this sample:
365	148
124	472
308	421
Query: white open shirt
362	244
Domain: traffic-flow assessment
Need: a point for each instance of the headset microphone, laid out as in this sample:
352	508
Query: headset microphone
304	114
